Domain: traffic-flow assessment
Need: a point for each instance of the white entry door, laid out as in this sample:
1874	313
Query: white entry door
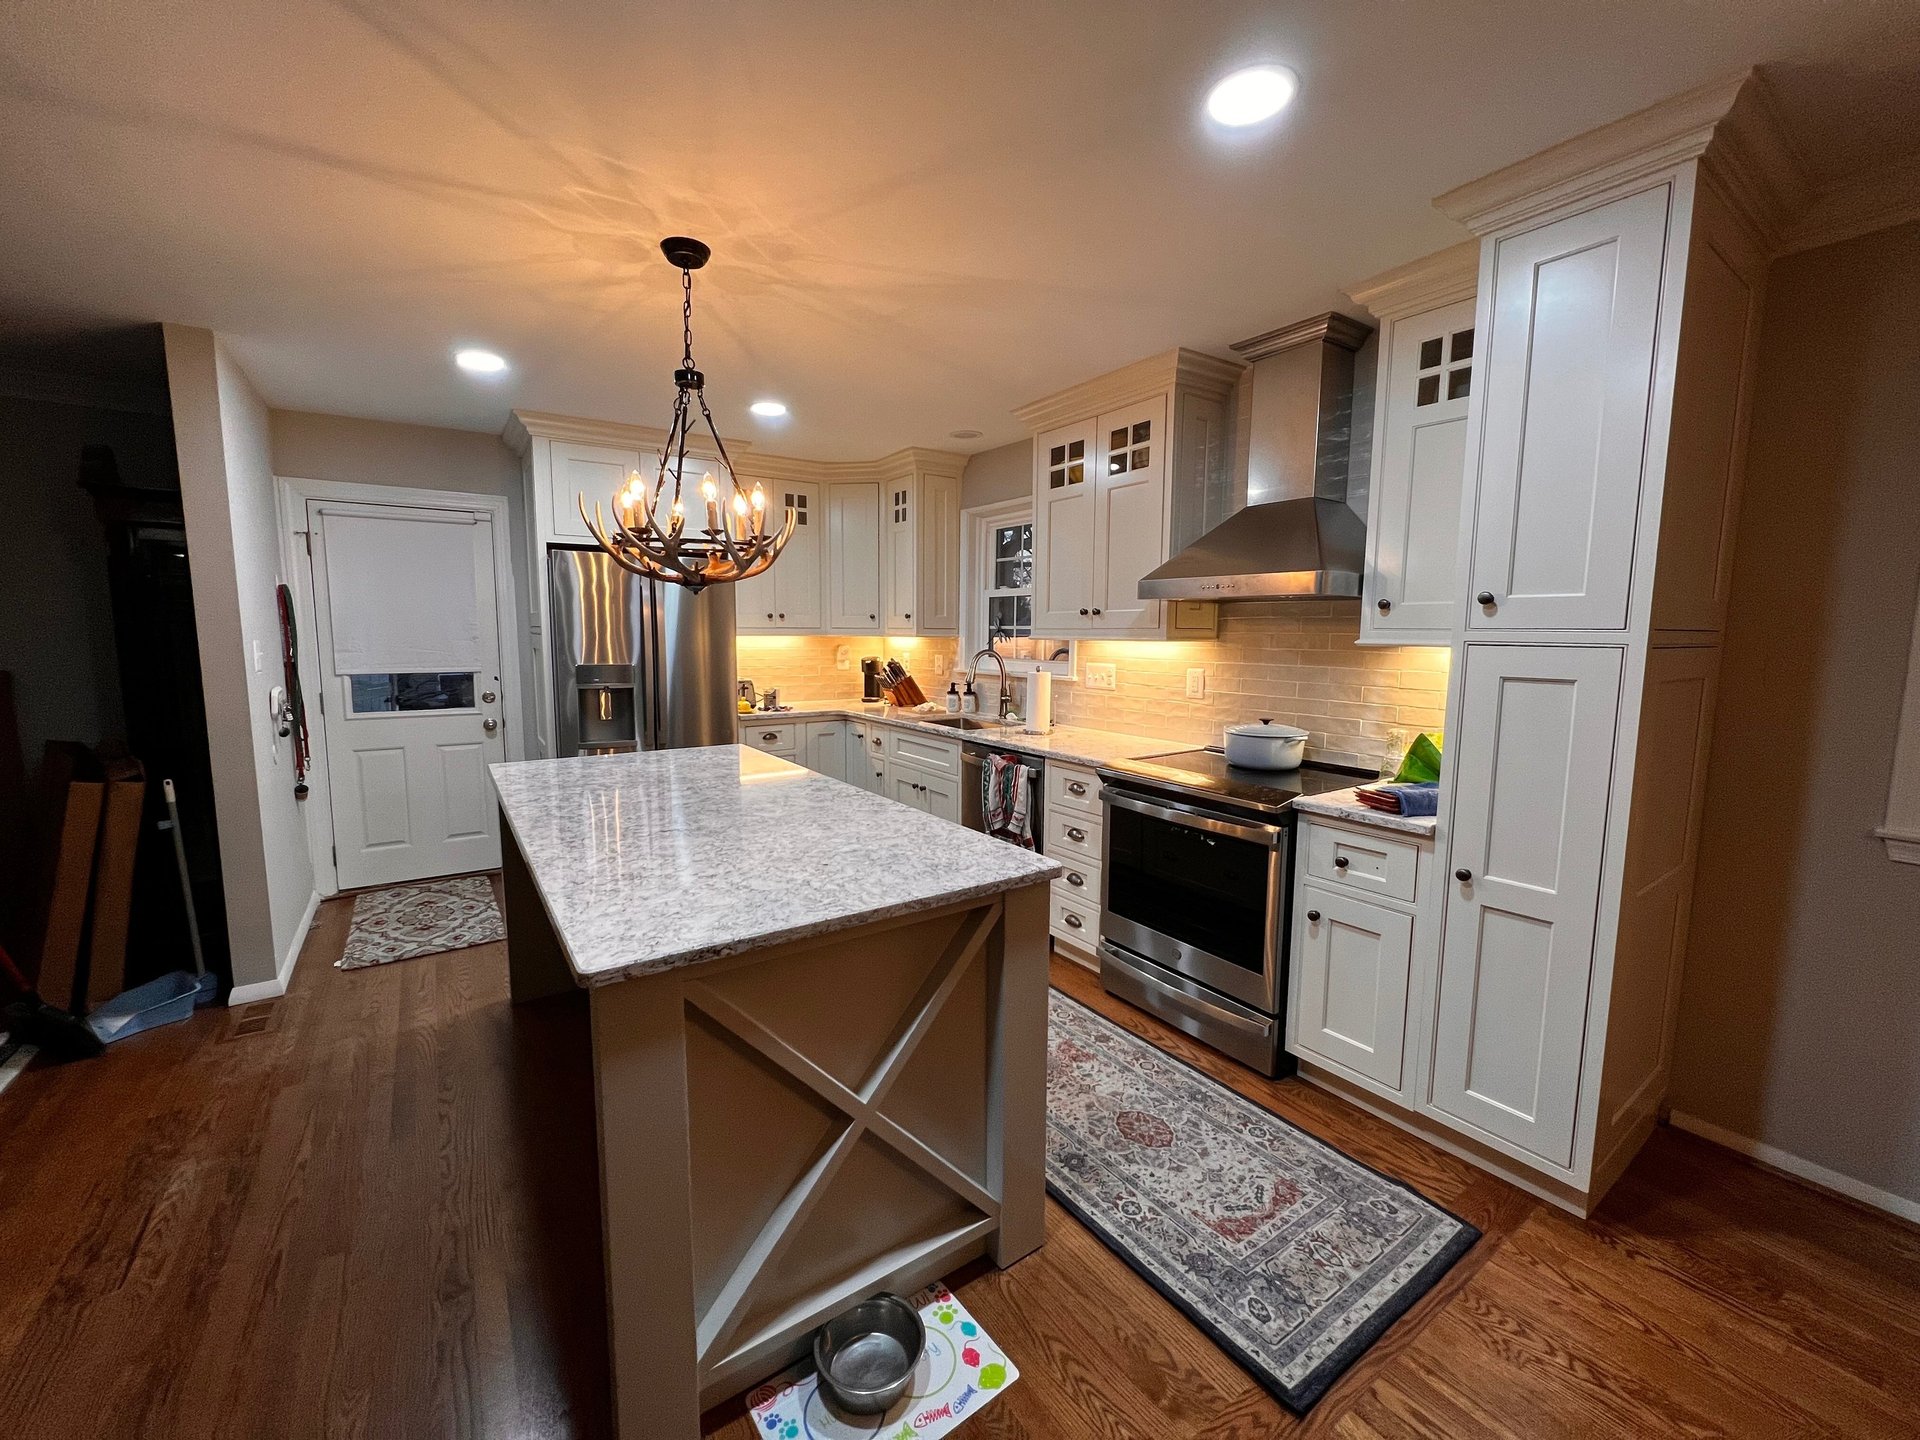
409	651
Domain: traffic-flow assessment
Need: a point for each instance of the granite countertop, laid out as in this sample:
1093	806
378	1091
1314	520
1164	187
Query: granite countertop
1341	805
1072	743
650	861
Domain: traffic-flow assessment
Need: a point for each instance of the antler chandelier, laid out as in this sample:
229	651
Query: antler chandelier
650	536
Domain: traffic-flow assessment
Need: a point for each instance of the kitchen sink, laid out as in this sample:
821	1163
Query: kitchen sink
961	722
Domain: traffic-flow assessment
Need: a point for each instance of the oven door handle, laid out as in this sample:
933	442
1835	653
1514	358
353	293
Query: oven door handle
1190	997
1272	836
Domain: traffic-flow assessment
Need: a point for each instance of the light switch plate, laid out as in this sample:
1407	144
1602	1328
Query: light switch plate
1098	675
843	657
1196	683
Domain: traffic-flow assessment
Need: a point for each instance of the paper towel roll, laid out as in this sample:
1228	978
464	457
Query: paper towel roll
1039	703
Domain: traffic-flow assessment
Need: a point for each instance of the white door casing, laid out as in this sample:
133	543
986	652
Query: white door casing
408	790
1566	391
1532	760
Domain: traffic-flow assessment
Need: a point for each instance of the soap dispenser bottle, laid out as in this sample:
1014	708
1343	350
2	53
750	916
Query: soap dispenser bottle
953	698
970	701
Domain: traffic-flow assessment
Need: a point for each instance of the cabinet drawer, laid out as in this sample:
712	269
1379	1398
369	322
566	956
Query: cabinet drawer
922	752
775	737
1070	788
1080	883
1071	921
1072	836
1364	863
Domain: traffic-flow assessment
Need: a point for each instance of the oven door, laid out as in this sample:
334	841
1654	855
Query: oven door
1197	892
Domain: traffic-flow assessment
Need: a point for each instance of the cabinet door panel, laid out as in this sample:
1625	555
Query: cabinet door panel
1353	962
1532	767
1064	497
1568	388
1130	524
1415	524
853	558
942	798
897	564
798	582
826	747
937	581
595	471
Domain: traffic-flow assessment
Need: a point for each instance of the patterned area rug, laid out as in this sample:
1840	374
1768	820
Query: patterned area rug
1291	1256
406	921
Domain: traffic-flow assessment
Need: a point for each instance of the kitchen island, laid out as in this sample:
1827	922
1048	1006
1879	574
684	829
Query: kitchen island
819	1036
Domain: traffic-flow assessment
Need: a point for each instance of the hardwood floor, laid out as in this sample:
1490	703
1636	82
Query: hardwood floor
370	1209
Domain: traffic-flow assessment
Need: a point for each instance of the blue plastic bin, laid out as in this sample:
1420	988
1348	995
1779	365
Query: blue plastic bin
158	1002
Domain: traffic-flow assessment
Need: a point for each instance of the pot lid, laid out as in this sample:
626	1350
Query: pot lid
1270	729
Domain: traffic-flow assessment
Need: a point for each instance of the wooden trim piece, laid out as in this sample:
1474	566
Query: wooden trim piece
1130	384
1445	277
1752	160
1797	1166
524	425
1331	328
1875	200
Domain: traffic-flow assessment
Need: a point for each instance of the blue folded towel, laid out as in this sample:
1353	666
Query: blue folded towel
1420	797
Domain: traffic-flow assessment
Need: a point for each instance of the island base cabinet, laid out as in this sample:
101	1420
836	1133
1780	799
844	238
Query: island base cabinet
770	1154
1532	770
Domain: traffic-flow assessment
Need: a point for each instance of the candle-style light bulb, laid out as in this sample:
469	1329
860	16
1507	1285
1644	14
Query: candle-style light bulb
709	490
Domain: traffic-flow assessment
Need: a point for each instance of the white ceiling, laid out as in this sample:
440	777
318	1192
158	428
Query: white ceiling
923	212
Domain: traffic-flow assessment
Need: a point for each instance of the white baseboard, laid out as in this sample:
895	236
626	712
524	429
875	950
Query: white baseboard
1797	1166
273	989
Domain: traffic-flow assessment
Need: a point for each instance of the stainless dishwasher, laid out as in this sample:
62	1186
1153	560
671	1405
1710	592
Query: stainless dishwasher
973	800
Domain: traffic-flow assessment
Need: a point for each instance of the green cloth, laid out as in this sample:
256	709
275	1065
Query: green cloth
1422	762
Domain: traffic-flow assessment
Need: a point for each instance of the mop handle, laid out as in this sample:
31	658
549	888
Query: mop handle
186	881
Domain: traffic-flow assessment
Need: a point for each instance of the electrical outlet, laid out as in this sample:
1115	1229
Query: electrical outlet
1196	683
843	657
1098	675
940	662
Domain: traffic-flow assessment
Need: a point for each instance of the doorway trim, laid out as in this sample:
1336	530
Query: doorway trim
294	493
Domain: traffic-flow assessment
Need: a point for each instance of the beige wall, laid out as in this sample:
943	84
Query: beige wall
378	452
1005	473
1800	1019
1289	660
228	494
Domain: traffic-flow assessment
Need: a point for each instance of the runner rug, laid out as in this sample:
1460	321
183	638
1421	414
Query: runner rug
1292	1257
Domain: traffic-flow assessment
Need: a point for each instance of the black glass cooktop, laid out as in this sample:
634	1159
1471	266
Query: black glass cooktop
1205	774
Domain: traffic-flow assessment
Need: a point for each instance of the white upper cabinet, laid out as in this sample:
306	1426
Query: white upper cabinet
920	553
853	543
594	471
789	595
1419	464
1107	462
1532	757
1129	530
1568	379
1065	499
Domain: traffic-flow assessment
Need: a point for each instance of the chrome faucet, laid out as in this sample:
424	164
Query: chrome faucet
1007	716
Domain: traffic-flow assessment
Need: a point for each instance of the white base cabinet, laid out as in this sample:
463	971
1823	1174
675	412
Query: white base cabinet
824	747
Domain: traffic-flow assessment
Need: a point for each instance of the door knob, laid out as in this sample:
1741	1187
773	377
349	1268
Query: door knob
489	725
1314	916
487	697
783	614
1340	862
1096	609
1485	597
1383	606
1463	875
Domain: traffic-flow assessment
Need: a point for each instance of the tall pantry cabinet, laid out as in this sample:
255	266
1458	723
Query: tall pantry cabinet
1616	322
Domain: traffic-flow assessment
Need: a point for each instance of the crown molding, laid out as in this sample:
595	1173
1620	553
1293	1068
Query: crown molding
1155	375
524	425
1442	278
1859	205
1332	328
1632	148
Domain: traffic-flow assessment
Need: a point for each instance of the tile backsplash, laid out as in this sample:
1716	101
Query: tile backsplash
805	667
1294	661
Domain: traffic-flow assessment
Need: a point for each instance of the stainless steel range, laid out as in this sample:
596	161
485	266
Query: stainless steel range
1196	894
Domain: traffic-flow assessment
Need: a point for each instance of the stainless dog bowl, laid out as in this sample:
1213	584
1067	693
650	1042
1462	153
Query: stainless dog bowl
866	1356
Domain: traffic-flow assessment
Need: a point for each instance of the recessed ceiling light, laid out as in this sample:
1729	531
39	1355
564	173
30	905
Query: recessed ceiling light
1249	96
479	362
768	409
963	434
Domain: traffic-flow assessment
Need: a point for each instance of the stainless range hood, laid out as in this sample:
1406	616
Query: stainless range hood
1296	538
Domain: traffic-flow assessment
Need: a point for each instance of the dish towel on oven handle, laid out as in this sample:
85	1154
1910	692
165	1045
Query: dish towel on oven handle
1005	788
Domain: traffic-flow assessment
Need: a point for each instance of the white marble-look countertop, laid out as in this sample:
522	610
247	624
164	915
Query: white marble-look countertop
1074	744
1341	805
650	861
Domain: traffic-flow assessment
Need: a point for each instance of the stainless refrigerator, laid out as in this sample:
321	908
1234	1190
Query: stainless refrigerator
637	665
